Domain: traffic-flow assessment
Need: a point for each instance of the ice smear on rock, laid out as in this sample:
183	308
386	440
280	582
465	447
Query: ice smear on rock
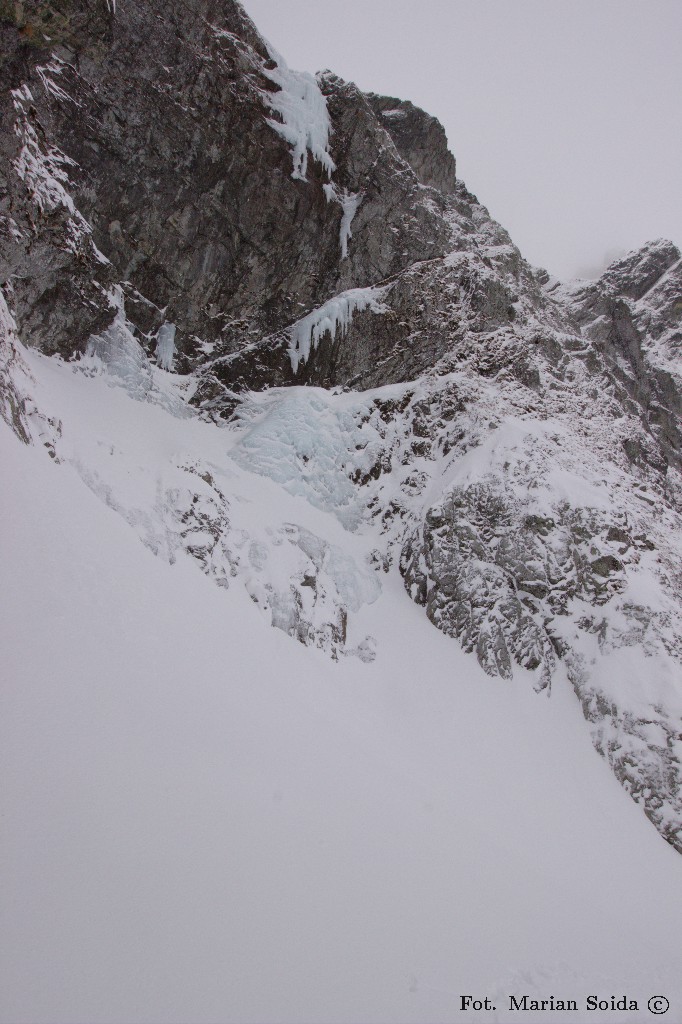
307	587
349	203
43	170
117	353
300	440
165	346
305	123
334	314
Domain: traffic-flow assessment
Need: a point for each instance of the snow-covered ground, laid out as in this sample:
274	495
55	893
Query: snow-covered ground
204	820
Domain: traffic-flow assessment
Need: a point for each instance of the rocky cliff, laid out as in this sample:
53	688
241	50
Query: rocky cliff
213	230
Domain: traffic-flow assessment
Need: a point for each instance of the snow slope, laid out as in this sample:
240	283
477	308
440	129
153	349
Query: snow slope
203	820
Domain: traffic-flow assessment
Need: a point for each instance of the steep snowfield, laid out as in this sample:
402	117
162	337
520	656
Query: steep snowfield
204	820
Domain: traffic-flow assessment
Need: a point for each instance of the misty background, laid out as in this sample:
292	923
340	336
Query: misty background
565	118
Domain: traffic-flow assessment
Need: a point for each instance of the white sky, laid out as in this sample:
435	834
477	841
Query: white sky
565	117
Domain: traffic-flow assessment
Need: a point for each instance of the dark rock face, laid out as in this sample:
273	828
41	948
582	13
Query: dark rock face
516	444
50	25
428	313
188	190
53	275
420	140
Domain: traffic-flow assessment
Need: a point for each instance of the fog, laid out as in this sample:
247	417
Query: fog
564	118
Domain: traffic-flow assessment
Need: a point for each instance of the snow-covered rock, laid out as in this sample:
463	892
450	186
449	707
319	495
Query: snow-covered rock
282	253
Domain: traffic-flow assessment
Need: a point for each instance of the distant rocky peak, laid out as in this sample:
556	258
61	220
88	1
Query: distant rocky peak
635	273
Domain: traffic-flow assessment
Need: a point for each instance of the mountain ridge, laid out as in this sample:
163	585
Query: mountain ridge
297	261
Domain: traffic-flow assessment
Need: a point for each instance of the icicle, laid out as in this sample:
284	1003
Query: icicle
165	346
305	123
349	203
329	318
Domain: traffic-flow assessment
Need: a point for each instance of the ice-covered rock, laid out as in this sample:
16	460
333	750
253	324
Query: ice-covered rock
349	203
304	123
165	346
333	318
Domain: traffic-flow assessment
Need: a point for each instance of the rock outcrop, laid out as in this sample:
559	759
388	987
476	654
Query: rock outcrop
420	140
